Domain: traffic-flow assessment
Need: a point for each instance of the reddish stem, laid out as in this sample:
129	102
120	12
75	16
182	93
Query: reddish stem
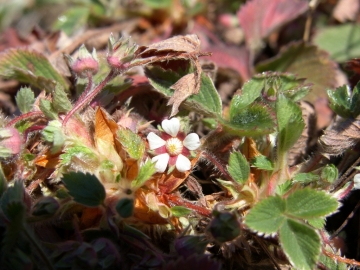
23	117
218	165
90	96
172	199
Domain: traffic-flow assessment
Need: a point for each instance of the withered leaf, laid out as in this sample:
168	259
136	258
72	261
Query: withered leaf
188	43
184	87
344	135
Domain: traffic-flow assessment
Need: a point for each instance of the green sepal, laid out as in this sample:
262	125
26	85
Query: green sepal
145	173
25	99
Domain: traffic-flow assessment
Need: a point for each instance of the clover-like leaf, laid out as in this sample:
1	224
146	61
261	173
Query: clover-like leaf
239	168
300	243
86	189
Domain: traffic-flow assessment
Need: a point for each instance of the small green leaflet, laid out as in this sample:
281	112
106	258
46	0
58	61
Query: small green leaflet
25	99
180	211
306	178
61	102
47	109
145	172
238	168
342	103
262	163
86	189
132	143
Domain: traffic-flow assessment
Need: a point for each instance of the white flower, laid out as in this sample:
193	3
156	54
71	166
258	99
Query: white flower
173	147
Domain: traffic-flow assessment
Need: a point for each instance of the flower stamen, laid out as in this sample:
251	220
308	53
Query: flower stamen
174	146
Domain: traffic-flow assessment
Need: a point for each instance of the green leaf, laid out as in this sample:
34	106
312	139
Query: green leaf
305	178
283	188
256	119
290	123
72	19
329	173
238	168
145	172
86	189
53	133
339	101
300	243
61	102
132	143
47	109
158	4
328	40
125	207
317	223
79	152
267	215
262	163
309	203
207	101
230	186
180	211
250	91
25	99
306	61
330	263
30	67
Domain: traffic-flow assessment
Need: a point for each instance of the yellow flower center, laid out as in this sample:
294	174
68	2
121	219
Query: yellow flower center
174	146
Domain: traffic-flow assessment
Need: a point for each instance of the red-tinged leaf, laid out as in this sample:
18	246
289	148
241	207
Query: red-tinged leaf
30	67
259	18
232	57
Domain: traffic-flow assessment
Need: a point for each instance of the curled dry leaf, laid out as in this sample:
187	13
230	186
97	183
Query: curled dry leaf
343	136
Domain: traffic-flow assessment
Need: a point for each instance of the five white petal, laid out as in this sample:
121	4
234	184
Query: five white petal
192	141
182	164
161	162
155	141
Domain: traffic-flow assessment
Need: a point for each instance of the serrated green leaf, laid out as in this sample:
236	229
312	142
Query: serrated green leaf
263	163
290	123
238	168
267	215
339	101
30	67
87	156
180	211
86	189
331	264
305	178
125	207
47	109
25	99
300	243
145	172
207	101
53	133
328	37
329	173
309	203
132	143
250	91
283	188
254	120
61	102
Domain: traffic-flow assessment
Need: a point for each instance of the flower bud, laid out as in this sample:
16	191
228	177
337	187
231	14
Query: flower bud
120	52
10	142
85	64
224	226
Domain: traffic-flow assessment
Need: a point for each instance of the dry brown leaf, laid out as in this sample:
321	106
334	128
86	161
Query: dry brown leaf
188	43
185	87
344	135
105	128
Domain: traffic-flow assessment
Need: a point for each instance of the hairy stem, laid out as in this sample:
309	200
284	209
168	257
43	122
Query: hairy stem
24	116
218	165
81	103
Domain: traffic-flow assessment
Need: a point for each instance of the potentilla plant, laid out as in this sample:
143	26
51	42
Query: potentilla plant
112	180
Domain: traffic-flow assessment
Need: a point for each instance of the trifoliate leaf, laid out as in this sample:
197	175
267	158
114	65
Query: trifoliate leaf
263	163
239	168
86	189
267	215
309	203
25	99
300	243
31	67
132	143
290	123
145	172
